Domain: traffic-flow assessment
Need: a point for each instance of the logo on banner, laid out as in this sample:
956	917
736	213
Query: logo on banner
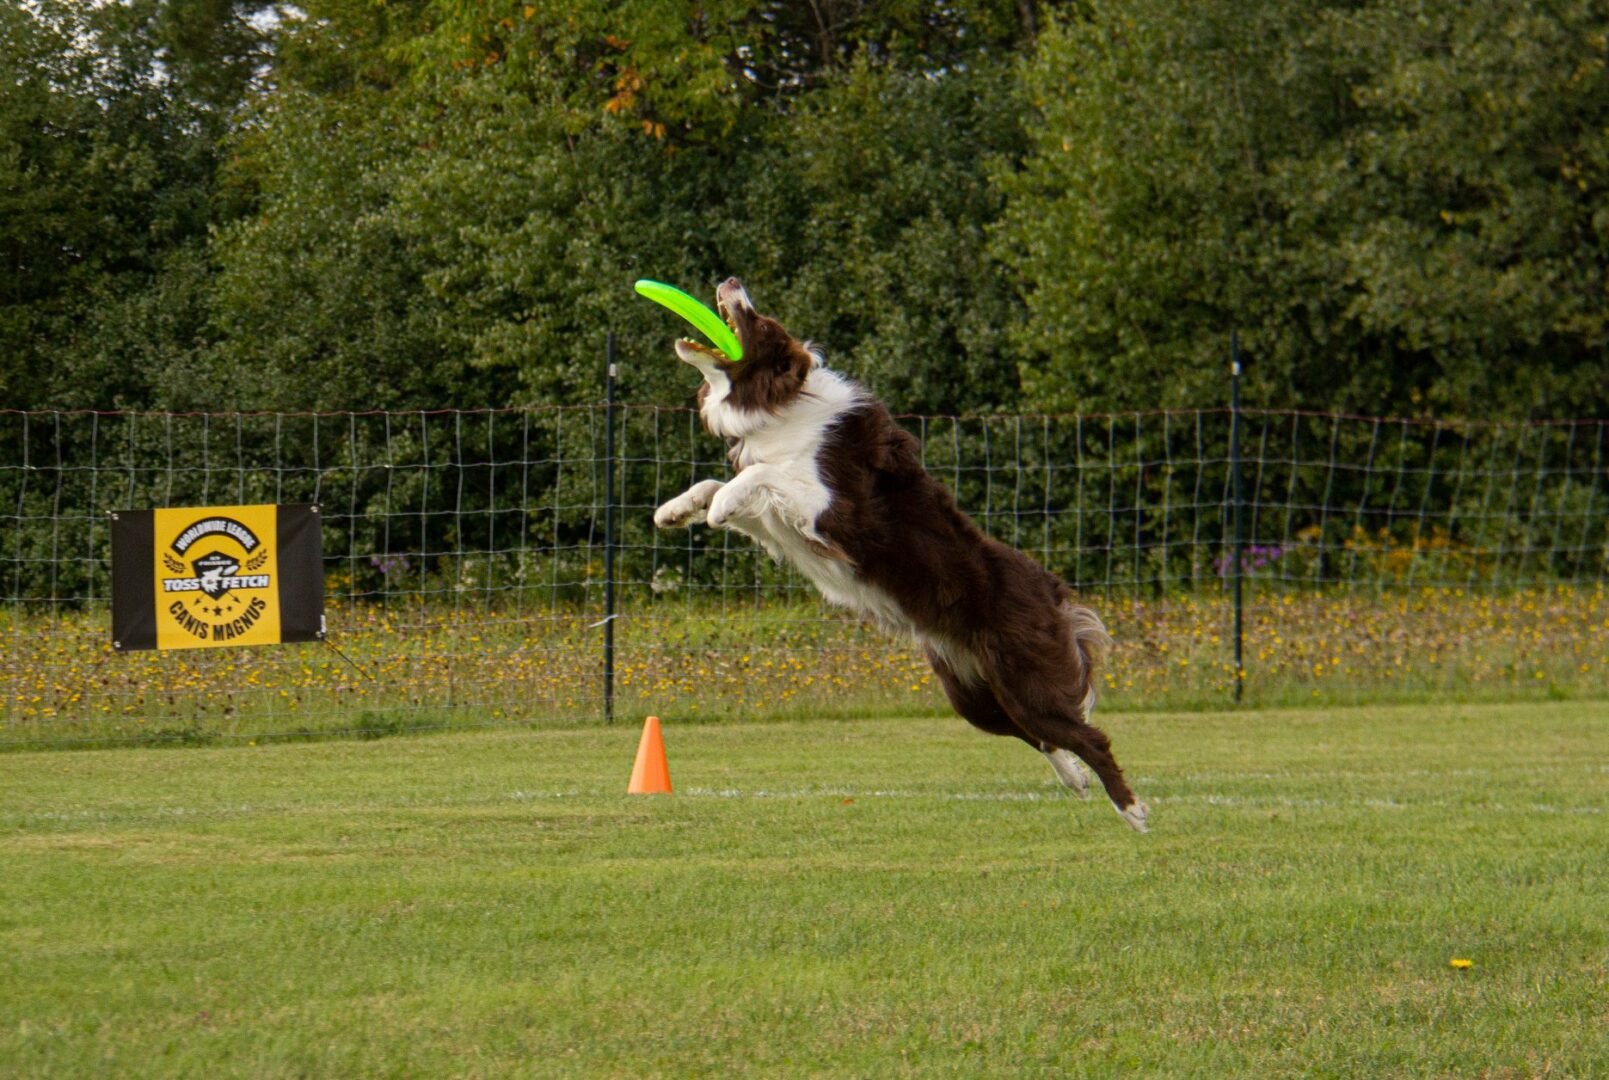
216	586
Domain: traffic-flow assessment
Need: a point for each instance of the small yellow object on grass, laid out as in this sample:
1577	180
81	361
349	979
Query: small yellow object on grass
1459	963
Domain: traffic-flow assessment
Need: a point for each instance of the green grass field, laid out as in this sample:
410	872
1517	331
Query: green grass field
857	898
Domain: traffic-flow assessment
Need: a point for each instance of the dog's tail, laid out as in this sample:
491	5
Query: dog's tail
1092	643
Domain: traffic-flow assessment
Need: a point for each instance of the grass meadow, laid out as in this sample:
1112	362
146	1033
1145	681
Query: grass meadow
1381	891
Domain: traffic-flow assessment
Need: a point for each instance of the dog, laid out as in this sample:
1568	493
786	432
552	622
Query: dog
826	481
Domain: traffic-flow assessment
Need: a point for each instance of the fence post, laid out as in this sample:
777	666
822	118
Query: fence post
609	532
1239	498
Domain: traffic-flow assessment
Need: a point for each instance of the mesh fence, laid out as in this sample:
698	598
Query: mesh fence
466	572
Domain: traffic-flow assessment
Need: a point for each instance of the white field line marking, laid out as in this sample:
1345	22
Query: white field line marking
1059	795
1382	773
857	793
1056	794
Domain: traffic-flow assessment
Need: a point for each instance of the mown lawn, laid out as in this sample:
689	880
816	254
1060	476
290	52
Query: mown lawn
853	898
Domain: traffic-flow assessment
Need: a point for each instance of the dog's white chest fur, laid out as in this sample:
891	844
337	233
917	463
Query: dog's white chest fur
779	494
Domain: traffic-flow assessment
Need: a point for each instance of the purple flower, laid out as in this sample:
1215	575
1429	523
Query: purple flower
1252	557
387	563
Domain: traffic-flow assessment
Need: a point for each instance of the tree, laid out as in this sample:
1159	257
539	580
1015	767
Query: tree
464	228
107	156
867	218
1399	206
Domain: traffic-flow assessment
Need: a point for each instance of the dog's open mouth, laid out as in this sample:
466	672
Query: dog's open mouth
725	312
700	347
730	298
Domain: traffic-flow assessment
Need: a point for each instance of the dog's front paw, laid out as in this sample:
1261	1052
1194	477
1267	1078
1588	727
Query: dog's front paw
688	507
728	503
679	513
676	514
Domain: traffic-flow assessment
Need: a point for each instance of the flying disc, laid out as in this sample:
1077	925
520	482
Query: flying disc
696	312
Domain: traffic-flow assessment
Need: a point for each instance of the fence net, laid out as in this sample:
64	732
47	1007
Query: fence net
466	572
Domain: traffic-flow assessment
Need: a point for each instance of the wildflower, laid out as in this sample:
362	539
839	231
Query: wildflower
385	565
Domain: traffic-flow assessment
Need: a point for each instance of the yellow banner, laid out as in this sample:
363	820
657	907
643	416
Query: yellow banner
215	577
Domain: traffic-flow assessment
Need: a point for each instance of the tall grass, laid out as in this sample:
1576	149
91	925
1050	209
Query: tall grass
417	665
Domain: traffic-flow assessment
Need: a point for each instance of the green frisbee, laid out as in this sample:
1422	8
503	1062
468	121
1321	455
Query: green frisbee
696	312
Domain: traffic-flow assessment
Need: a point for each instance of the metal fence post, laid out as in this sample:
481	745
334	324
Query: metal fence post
1239	499
609	533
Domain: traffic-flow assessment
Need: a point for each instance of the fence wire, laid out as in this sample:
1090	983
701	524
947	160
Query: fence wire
464	562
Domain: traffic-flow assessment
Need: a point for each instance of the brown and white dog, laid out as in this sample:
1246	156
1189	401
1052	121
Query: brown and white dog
827	481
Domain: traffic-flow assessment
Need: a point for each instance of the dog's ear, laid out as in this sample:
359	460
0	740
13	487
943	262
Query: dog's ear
793	368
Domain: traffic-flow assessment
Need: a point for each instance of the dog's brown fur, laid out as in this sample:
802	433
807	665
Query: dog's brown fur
1038	650
1016	655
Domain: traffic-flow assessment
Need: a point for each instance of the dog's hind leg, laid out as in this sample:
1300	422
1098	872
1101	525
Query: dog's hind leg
976	703
1069	770
1035	697
1093	745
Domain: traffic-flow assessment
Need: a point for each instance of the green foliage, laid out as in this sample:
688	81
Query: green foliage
973	206
867	217
1400	206
468	236
108	146
320	296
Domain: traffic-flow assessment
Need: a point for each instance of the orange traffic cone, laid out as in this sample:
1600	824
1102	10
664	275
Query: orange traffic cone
651	774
